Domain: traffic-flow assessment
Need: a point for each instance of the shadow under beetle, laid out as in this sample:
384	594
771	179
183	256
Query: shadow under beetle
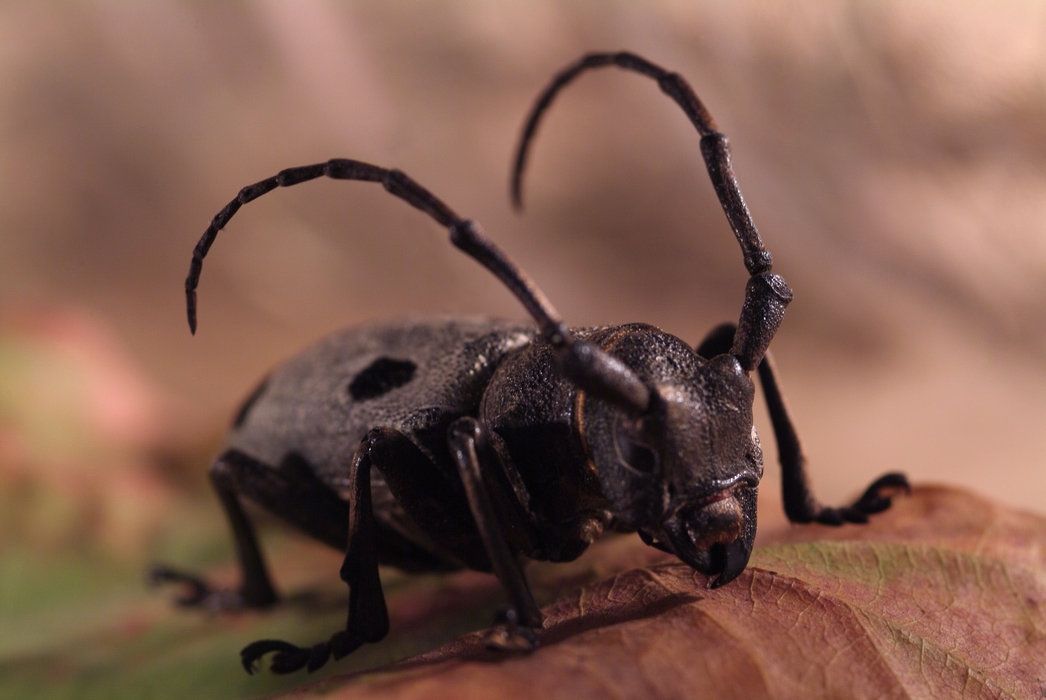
446	443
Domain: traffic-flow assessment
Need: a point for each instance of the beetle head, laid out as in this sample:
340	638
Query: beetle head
684	473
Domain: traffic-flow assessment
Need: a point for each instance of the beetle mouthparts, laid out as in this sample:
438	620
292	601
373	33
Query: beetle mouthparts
716	521
730	559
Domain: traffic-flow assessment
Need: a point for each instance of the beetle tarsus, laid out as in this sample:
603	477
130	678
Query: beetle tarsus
290	658
199	594
873	500
197	588
509	636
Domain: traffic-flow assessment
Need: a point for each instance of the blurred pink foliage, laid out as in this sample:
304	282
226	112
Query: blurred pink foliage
80	427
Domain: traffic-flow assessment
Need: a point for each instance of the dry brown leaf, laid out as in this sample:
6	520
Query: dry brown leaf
941	597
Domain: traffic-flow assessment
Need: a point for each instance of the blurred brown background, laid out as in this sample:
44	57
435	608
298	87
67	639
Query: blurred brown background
893	155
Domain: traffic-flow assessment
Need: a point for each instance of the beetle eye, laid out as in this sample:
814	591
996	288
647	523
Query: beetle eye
634	455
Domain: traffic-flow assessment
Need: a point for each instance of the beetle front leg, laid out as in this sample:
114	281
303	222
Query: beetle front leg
467	444
799	502
368	619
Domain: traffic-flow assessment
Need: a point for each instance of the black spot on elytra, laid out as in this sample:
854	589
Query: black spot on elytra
241	415
382	376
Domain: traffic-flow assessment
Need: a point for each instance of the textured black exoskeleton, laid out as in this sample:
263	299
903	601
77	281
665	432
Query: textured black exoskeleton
438	444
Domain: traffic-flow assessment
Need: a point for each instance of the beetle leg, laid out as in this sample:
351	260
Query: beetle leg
257	590
368	619
467	444
800	504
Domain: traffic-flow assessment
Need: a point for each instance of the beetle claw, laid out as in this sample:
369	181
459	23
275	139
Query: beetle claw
288	659
872	501
198	592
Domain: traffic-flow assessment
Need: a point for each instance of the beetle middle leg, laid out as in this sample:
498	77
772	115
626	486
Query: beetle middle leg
458	512
799	502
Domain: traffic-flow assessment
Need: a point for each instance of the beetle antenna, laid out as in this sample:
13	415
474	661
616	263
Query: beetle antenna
714	147
589	367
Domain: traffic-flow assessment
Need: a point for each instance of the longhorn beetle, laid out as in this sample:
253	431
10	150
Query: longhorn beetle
446	443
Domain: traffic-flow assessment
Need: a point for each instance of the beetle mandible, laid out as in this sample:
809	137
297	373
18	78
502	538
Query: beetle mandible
447	443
